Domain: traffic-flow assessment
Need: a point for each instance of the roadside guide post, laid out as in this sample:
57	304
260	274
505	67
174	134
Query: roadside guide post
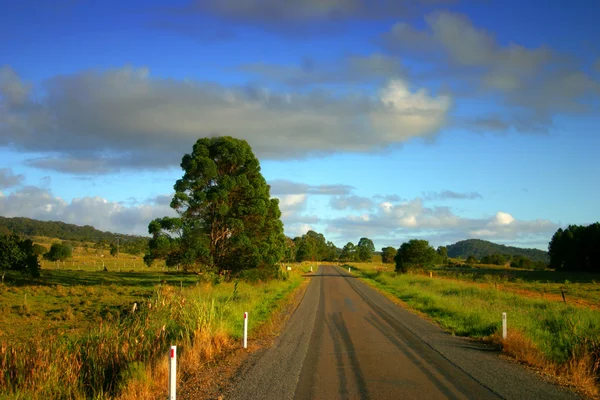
245	330
504	325
173	373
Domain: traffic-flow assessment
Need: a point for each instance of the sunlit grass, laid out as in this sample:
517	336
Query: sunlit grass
83	341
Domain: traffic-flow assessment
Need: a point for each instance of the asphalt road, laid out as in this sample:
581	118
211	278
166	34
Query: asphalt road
347	341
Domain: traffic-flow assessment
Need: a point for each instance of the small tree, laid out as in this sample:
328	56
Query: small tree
365	249
58	252
414	253
388	254
442	253
348	252
16	254
471	260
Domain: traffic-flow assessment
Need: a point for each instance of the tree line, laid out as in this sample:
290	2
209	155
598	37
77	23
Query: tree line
576	248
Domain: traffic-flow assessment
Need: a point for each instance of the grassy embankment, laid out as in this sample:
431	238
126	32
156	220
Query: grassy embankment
562	339
75	336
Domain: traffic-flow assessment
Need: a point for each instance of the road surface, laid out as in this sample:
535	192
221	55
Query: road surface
347	341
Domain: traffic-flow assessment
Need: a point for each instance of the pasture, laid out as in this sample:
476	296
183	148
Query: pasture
73	333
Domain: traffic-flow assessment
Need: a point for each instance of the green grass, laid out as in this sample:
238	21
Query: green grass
71	300
561	332
75	337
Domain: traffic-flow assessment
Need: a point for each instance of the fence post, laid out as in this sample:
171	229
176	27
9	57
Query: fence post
504	326
173	373
246	330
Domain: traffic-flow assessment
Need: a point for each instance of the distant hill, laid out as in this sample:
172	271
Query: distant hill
479	248
60	230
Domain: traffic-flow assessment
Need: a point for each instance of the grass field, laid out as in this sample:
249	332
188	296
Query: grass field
562	338
72	333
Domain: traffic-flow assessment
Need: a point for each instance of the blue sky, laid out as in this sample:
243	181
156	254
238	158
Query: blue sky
442	120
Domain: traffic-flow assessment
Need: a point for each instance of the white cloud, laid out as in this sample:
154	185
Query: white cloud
350	202
285	187
530	84
413	219
41	204
502	219
99	121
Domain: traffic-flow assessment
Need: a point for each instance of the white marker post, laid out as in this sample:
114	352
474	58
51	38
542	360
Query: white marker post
349	269
245	330
311	268
173	373
504	326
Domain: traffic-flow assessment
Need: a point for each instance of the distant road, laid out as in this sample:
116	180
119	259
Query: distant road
347	341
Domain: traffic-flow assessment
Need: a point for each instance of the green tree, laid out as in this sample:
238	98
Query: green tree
365	249
471	260
227	219
442	252
59	252
312	246
348	252
388	254
414	253
16	254
576	248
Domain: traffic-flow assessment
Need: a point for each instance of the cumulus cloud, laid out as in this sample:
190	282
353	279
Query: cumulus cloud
8	179
414	219
99	121
290	17
350	202
532	83
375	67
41	204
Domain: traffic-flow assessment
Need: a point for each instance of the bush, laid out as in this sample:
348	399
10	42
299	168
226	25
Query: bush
59	252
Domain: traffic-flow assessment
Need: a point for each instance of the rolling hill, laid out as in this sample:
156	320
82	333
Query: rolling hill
479	248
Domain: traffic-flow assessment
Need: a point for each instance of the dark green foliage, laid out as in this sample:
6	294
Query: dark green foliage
471	260
495	259
388	254
290	250
479	248
16	254
348	252
414	253
227	219
59	252
313	246
30	227
365	249
576	248
442	252
526	263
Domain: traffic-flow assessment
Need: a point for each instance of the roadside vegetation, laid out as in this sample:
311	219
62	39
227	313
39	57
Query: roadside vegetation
82	338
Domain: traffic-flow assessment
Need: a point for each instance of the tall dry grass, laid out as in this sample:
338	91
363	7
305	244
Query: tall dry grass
127	358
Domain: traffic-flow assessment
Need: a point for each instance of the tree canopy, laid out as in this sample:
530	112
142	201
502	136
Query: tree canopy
17	254
227	218
313	246
576	248
414	253
388	254
365	249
